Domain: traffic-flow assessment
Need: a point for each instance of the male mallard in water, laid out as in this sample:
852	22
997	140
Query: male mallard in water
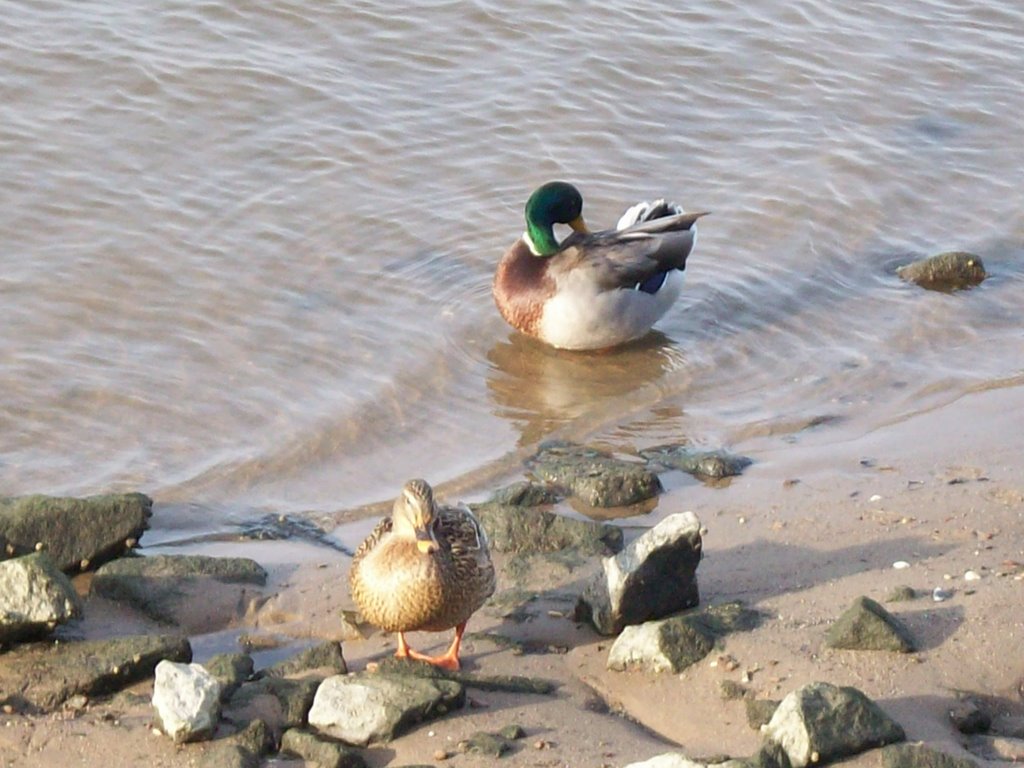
424	568
593	289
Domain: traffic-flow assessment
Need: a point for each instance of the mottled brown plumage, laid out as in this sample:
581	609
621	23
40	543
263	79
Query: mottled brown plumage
425	568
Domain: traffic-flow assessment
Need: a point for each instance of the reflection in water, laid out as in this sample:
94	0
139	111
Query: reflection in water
540	389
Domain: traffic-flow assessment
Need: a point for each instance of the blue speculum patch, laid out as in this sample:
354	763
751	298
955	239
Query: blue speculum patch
653	283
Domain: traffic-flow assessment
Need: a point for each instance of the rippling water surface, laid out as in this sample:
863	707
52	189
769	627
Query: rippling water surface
248	248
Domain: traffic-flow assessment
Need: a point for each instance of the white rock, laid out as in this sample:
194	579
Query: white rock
900	565
639	645
939	594
972	576
667	760
34	595
187	701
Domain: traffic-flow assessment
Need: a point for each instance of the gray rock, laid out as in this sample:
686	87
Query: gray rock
45	676
325	656
920	756
255	737
900	594
231	670
968	717
593	476
486	744
513	732
950	271
672	644
822	722
322	752
228	756
760	712
74	531
653	577
35	596
198	593
1001	748
523	529
525	494
187	701
359	709
505	683
282	702
704	465
867	626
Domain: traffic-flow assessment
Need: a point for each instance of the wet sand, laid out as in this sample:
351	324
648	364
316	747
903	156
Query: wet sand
943	491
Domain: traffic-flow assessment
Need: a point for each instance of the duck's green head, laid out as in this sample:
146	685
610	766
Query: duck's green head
556	202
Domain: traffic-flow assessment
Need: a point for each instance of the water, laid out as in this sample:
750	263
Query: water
248	248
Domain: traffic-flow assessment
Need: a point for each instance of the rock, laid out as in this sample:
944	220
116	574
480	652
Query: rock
73	531
362	708
920	756
486	744
506	683
760	712
822	722
187	701
35	596
901	594
281	702
525	530
1006	724
254	737
325	656
704	465
672	644
950	271
525	494
185	590
1001	748
231	670
867	626
667	760
228	756
513	732
46	676
595	477
968	717
322	752
653	577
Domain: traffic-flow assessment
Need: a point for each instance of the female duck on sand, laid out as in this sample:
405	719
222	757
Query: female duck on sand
424	568
594	289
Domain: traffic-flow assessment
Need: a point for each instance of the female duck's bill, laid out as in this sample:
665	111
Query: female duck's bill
593	289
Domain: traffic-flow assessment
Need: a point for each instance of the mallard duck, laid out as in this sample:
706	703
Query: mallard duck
592	289
424	568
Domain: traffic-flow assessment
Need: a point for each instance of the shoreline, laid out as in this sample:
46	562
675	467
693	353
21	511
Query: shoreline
942	490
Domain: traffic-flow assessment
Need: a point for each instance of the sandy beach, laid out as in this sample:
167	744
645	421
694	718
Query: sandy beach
942	491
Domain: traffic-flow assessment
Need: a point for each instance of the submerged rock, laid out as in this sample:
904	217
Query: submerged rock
653	577
867	626
705	465
46	676
187	701
75	533
363	708
593	476
950	271
35	596
525	494
672	644
326	656
196	592
822	722
522	529
319	751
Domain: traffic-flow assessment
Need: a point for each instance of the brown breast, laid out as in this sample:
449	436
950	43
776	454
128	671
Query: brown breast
521	286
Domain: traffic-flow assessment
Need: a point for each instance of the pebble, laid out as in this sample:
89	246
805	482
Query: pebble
899	565
972	576
939	594
875	497
440	755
